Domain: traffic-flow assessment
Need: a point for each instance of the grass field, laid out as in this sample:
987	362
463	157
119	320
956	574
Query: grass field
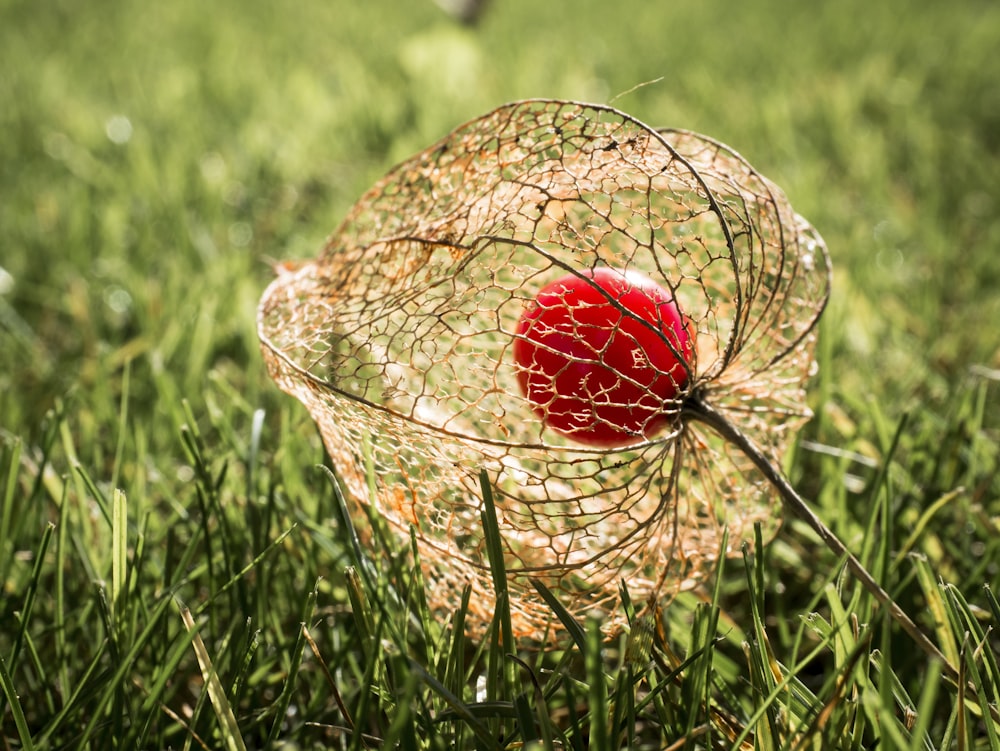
172	571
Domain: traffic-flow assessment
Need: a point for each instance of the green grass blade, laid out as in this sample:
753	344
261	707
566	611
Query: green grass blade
937	606
20	723
288	690
364	564
228	726
525	719
577	633
765	675
119	553
252	644
31	594
401	732
61	558
7	508
331	682
597	705
123	426
925	707
361	609
241	574
166	673
460	709
978	647
96	493
122	665
498	569
921	526
84	682
368	686
994	604
256	430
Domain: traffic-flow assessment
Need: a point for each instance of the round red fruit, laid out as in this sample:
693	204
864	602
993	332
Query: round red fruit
603	356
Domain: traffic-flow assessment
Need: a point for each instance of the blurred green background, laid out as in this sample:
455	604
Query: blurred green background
153	153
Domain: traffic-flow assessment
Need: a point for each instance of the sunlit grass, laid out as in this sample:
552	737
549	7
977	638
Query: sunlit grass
177	571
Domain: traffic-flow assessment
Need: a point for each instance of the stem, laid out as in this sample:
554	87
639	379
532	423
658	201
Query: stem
703	413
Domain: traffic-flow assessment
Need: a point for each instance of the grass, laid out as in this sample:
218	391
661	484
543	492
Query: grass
176	570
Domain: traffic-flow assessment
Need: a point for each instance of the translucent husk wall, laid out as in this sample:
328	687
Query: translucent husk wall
398	340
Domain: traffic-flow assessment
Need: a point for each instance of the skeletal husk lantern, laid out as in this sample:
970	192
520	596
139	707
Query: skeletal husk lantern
399	339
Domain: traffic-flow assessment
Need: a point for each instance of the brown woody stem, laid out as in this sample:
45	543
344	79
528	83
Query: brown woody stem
703	413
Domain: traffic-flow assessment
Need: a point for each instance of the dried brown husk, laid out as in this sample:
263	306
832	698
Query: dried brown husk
398	340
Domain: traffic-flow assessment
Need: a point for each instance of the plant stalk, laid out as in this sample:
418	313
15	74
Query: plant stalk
707	415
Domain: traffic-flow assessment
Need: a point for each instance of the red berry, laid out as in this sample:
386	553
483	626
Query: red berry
603	356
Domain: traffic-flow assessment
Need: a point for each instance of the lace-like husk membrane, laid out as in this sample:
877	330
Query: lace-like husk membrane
398	340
